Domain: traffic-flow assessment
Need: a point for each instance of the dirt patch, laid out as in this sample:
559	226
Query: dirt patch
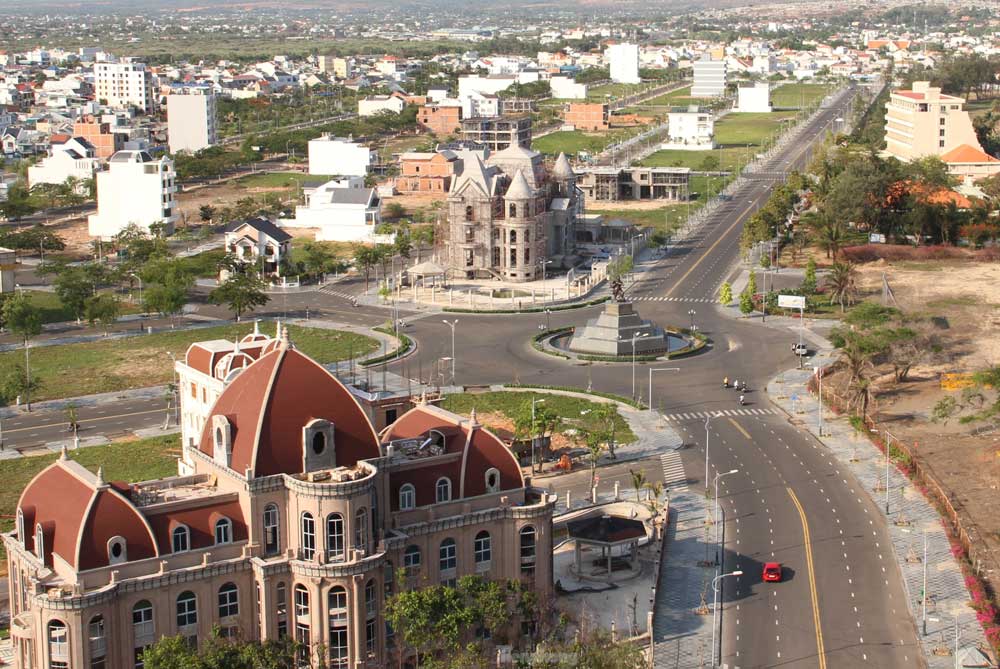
633	205
503	427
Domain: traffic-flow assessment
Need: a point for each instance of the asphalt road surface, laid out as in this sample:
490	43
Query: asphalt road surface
841	603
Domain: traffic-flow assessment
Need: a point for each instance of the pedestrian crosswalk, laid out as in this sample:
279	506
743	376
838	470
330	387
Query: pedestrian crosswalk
329	290
674	478
702	415
651	298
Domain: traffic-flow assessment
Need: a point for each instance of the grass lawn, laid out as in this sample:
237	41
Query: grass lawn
670	216
134	460
205	264
679	98
340	250
798	95
742	129
135	362
728	158
614	90
54	311
977	108
512	404
575	141
286	180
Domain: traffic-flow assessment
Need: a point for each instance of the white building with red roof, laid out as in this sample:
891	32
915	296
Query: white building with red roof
292	518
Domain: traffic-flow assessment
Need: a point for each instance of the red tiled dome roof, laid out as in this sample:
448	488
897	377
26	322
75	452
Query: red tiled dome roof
270	402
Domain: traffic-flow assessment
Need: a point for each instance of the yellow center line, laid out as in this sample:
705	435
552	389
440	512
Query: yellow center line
820	652
740	428
85	420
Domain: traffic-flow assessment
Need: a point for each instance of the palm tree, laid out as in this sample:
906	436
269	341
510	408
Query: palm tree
842	284
655	491
638	481
830	236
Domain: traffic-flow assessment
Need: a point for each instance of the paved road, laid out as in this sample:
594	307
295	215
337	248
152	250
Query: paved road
842	604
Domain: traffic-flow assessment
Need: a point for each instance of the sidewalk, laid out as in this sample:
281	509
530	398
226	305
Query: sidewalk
910	518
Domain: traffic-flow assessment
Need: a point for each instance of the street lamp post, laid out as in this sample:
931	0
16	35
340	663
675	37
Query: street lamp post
533	459
634	340
715	606
139	279
715	513
819	406
691	313
657	369
452	325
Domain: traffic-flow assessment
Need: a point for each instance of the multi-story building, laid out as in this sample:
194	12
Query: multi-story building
498	133
291	520
340	210
755	99
128	83
635	183
69	157
690	129
587	115
623	60
134	189
709	78
923	121
105	142
342	68
191	122
339	156
509	215
441	118
259	243
380	104
430	172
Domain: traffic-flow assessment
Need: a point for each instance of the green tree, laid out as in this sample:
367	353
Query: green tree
809	280
606	414
366	257
746	303
619	267
15	382
241	293
218	653
751	284
206	212
25	320
726	294
103	308
73	288
709	163
842	284
18	203
638	482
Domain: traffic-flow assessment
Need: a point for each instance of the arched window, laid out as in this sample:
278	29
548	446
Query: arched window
411	557
181	537
271	542
40	542
447	555
308	536
97	642
337	605
513	214
407	496
492	480
528	550
513	236
302	634
223	531
371	608
21	536
187	610
318	443
334	537
142	623
361	529
117	550
483	550
281	604
229	600
442	490
58	645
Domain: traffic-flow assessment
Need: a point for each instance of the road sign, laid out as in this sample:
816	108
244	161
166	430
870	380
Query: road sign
795	398
792	301
876	238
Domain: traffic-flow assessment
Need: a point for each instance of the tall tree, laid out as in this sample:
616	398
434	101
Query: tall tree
842	284
241	293
25	320
103	308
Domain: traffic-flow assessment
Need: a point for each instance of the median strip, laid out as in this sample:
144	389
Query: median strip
820	652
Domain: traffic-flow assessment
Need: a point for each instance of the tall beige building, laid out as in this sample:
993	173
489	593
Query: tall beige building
125	84
925	122
191	120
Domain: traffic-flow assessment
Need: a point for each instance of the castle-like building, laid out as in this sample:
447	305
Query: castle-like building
508	215
290	517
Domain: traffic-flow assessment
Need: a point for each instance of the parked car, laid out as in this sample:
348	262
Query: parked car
800	349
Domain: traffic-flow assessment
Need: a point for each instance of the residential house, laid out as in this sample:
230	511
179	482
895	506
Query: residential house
339	156
377	104
135	189
259	243
430	172
589	116
340	210
69	157
441	118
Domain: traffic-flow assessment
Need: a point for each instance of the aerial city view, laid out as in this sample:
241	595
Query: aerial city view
425	334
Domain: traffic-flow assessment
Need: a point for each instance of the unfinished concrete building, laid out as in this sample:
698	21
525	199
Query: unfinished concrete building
498	133
603	184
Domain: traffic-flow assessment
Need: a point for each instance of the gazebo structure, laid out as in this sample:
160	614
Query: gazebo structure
614	535
423	271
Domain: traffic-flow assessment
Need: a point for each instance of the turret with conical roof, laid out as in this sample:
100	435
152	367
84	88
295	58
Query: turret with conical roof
564	176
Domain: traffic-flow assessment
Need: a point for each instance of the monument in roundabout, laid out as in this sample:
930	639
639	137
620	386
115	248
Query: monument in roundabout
617	327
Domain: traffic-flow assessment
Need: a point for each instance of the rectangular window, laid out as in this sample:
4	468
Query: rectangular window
370	636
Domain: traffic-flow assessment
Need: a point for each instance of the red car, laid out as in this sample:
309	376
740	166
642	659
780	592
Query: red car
772	572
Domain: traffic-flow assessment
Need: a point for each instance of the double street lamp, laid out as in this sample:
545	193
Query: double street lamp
715	608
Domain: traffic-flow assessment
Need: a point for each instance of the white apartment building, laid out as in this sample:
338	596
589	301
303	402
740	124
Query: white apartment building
754	99
567	88
68	157
125	84
480	106
924	121
341	210
623	60
191	120
493	83
377	104
339	156
135	188
690	129
709	78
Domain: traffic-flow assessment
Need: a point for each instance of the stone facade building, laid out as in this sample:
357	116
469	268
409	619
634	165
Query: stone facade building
508	216
290	517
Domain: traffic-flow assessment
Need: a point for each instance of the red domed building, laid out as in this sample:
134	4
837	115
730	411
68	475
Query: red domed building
290	517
